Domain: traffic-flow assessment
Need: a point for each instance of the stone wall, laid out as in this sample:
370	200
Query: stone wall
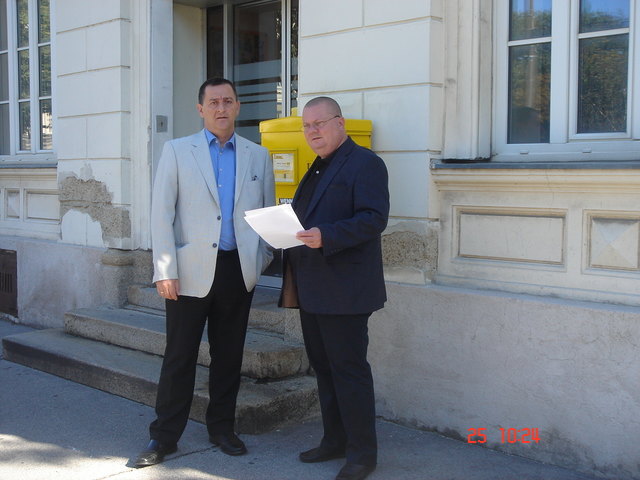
449	359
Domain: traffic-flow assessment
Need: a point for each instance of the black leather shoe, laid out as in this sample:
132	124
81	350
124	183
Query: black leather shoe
154	453
229	443
320	454
353	471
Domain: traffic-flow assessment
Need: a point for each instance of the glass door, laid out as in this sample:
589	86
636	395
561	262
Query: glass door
260	57
255	44
257	64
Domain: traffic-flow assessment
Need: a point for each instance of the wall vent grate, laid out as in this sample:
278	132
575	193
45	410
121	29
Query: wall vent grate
8	282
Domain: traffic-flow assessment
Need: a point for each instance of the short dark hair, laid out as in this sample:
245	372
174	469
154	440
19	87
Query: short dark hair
214	82
333	105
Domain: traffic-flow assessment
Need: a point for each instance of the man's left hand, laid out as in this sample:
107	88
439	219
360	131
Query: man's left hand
312	238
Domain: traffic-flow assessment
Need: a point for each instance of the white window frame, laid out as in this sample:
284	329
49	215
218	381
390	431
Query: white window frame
564	143
35	155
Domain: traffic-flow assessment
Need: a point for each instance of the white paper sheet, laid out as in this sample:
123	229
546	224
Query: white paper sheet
276	225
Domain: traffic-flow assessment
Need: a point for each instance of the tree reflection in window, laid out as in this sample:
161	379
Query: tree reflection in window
603	65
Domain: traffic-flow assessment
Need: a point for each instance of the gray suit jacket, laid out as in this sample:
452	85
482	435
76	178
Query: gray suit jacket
185	211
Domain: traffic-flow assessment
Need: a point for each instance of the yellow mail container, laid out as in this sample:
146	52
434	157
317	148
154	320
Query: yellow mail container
291	155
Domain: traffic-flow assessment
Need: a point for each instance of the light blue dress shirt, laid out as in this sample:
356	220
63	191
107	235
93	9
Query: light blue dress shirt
223	159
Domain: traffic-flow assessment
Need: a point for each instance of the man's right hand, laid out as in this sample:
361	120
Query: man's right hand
169	289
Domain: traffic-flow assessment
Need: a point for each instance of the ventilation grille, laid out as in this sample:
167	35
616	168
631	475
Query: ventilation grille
8	282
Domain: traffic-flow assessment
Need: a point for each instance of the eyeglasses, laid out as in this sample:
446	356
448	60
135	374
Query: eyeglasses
317	125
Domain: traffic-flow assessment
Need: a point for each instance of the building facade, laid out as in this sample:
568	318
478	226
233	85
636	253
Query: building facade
511	131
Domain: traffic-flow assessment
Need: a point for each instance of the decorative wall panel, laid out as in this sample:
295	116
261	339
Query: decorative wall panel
614	242
511	236
42	206
13	203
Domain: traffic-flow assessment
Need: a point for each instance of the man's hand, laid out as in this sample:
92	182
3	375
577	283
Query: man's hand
312	238
169	289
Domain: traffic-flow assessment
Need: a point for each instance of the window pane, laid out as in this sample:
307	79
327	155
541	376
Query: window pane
4	77
529	87
45	71
530	19
43	21
25	126
23	23
23	74
4	129
3	24
597	15
257	68
46	127
602	84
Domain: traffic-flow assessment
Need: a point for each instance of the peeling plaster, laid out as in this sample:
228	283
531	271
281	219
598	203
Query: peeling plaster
91	197
411	247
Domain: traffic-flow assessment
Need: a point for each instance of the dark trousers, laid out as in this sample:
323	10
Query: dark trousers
226	308
337	349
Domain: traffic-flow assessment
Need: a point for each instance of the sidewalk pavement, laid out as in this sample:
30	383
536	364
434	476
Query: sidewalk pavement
55	429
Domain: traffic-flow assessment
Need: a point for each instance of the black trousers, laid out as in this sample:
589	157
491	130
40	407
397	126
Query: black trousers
337	349
225	309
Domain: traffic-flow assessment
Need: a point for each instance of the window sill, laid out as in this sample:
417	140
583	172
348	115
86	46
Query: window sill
588	177
562	165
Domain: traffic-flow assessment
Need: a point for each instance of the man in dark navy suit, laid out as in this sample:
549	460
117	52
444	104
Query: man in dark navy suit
336	280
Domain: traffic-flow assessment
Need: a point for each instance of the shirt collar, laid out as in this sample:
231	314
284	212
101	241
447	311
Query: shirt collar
325	161
212	138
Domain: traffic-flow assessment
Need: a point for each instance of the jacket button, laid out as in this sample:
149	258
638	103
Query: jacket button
215	245
219	217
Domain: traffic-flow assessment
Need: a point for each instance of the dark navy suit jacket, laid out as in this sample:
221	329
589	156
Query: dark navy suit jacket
350	206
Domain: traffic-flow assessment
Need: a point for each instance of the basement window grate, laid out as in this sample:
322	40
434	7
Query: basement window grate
8	282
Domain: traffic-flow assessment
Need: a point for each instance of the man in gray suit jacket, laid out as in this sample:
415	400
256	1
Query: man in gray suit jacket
207	260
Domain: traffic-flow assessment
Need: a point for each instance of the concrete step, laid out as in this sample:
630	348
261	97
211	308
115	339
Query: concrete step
266	355
262	406
145	296
265	313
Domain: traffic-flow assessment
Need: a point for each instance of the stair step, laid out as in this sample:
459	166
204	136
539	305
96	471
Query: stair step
145	296
265	313
133	374
266	355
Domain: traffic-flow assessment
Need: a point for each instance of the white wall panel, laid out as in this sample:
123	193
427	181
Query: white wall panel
42	206
325	16
72	14
384	11
72	48
13	204
525	236
408	183
108	135
71	138
400	117
78	228
366	58
109	44
93	92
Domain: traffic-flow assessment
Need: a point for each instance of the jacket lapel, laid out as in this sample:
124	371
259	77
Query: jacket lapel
202	157
243	161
